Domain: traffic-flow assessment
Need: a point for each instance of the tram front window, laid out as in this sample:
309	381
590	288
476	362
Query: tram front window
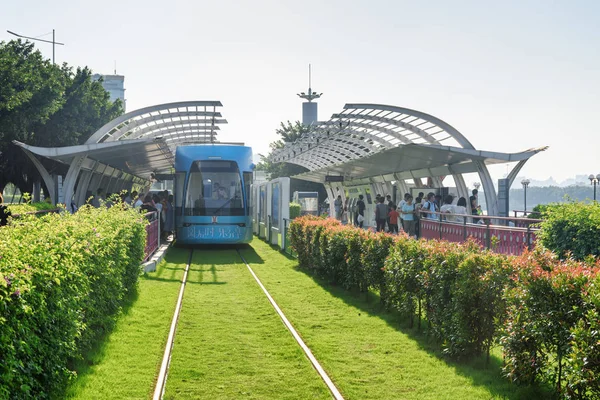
214	188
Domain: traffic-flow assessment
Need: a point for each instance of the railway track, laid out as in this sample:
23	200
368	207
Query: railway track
161	381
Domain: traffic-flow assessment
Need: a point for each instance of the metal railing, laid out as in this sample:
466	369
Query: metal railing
153	234
490	234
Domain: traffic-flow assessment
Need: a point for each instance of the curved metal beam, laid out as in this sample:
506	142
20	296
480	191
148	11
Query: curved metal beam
103	131
404	125
442	124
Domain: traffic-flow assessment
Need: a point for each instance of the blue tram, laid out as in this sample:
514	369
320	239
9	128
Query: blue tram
212	194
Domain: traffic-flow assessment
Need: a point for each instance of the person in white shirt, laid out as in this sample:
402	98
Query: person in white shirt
448	208
140	200
460	208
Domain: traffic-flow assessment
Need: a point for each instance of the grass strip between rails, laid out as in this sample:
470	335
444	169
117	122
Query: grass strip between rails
368	353
126	364
230	343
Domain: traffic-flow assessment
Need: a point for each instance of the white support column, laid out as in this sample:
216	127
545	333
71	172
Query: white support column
71	179
48	180
491	198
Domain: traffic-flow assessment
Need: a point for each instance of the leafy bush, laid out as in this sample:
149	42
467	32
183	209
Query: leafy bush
543	311
294	210
571	229
538	211
550	331
18	209
63	279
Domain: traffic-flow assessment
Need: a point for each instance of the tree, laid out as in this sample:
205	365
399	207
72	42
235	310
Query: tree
44	105
289	134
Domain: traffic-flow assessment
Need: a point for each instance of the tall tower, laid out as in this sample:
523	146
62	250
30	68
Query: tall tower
309	109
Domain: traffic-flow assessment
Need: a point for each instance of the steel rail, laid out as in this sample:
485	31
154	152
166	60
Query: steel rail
159	389
330	385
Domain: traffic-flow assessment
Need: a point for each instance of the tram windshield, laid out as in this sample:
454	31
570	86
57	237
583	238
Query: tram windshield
214	188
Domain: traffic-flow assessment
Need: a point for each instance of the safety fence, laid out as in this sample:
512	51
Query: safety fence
502	235
153	234
499	234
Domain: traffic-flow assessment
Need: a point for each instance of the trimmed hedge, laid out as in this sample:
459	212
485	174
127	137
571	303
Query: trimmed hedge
543	311
63	280
294	210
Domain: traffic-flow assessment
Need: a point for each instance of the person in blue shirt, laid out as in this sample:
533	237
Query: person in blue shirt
408	213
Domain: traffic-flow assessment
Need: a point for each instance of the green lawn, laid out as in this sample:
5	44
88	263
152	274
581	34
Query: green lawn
230	343
125	365
369	354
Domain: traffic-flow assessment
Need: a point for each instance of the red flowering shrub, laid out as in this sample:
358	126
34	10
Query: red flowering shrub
548	322
376	248
545	312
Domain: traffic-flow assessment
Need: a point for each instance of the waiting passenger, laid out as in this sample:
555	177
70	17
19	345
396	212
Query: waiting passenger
393	218
448	208
460	208
430	206
381	214
408	211
337	206
98	197
139	201
360	217
148	206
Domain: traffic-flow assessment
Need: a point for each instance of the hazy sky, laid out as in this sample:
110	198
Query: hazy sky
509	75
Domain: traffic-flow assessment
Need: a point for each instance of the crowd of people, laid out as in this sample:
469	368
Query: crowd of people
391	217
160	202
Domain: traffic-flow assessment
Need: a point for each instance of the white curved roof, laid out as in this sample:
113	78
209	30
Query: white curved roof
174	123
361	130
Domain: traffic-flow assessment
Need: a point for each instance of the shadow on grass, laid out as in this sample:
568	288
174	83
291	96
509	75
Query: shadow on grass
480	374
95	354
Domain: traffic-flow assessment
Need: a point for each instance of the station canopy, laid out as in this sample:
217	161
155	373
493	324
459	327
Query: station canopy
372	140
133	149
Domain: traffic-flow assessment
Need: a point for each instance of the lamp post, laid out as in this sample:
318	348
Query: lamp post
594	181
54	42
525	183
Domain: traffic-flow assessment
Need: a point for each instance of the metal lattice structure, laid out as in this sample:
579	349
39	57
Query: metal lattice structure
130	149
174	123
357	141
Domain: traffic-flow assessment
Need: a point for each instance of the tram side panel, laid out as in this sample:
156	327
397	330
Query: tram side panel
213	199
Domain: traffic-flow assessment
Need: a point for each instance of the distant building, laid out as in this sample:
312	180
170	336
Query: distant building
114	85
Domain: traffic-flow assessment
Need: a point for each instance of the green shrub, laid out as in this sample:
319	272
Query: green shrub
294	210
376	249
571	229
548	336
543	311
63	279
18	209
405	278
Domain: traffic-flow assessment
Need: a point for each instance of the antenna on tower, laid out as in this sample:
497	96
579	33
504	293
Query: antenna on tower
311	95
115	67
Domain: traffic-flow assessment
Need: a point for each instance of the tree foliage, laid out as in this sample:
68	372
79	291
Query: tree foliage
289	132
44	105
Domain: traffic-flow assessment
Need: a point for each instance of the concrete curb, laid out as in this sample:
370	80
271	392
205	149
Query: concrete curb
150	265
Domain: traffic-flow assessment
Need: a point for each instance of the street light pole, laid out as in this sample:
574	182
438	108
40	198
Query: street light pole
525	183
54	42
594	181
